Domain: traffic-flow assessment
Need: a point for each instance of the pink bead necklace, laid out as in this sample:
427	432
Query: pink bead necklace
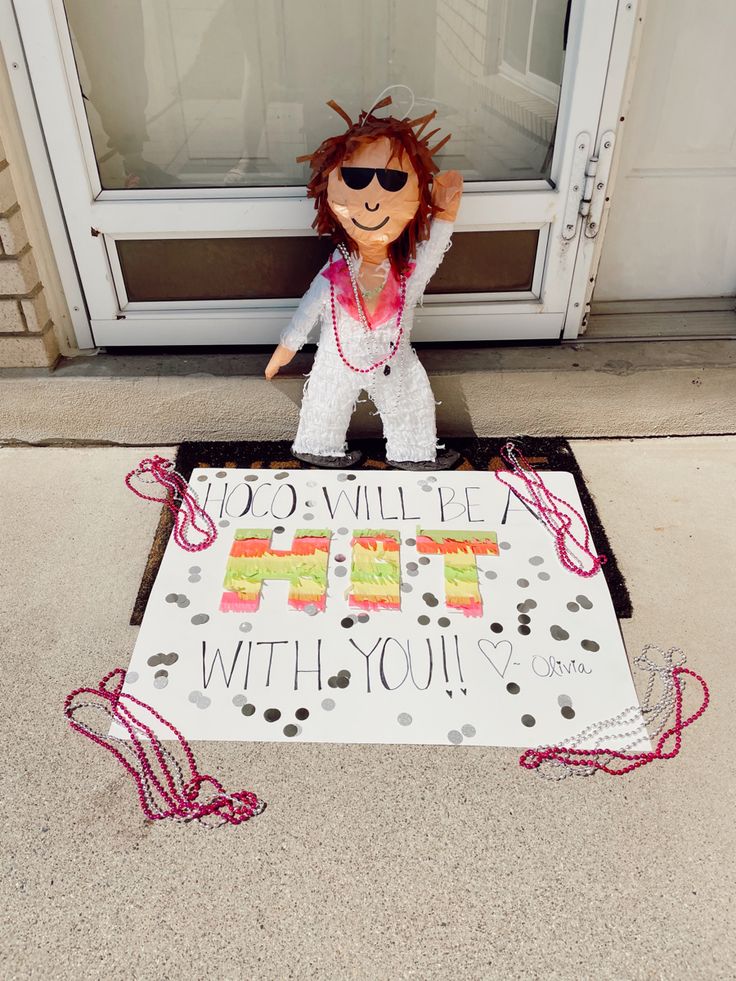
367	327
558	762
558	515
187	514
165	790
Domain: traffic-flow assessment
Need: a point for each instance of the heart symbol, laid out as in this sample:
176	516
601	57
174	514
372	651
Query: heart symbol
497	654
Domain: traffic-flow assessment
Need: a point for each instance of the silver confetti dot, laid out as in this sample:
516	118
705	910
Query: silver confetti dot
468	730
411	566
224	523
573	607
563	700
309	504
310	609
131	677
239	701
200	700
161	682
404	719
424	560
281	475
584	602
491	575
536	560
221	473
328	704
340	571
590	645
200	618
363	618
202	477
522	582
504	545
194	570
251	477
411	541
455	737
172	597
528	721
342	531
431	480
342	477
195	579
245	627
182	602
307	516
406	587
311	483
558	632
426	487
544	576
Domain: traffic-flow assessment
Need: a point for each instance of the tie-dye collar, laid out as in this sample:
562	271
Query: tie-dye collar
389	300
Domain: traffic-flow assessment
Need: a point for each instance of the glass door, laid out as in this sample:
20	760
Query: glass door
173	128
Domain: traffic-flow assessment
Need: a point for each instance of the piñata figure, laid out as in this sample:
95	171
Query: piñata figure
390	215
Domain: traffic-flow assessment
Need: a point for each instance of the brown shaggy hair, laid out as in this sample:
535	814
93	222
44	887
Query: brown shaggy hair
406	137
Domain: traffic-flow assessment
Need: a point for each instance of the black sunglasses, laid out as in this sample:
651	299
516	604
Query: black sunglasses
359	177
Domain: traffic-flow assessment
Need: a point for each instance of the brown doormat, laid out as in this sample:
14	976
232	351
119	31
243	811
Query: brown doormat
544	453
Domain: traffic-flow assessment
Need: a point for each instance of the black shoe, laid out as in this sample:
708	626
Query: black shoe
350	459
445	460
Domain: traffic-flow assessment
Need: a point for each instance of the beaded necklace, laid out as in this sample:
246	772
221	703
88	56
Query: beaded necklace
164	789
557	515
159	470
558	762
363	317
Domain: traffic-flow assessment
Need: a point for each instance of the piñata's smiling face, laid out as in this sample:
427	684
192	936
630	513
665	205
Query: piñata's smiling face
374	193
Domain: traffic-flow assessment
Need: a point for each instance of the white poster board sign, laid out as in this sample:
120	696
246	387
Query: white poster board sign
385	607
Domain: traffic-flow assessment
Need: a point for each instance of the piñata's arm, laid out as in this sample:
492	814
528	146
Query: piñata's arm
306	315
429	255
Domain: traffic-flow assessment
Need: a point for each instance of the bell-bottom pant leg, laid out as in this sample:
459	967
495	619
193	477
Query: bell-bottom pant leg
406	404
328	402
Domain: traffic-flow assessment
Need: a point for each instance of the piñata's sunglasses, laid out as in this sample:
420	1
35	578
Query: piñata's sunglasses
358	178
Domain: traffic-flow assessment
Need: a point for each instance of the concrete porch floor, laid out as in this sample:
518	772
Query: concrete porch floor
601	388
371	861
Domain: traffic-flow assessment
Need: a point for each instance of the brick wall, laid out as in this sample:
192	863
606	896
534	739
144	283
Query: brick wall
26	331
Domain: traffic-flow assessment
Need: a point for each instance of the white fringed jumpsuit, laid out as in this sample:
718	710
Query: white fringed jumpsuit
403	396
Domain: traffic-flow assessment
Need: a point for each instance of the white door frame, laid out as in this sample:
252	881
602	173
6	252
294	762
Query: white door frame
599	36
12	53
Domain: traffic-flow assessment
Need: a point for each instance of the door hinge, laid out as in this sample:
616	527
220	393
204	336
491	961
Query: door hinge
588	180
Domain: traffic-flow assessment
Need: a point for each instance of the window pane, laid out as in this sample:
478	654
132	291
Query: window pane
545	58
213	93
516	34
268	268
